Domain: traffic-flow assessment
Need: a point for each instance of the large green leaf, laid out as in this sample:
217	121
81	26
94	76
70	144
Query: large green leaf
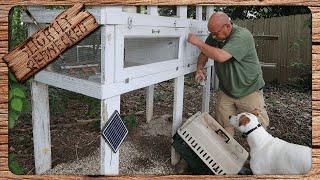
18	92
16	104
13	116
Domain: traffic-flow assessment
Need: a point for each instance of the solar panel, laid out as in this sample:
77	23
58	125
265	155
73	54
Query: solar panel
114	131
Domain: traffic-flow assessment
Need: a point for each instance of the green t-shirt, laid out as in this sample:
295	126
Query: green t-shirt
242	74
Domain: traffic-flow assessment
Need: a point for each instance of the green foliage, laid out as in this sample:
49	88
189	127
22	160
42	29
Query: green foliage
252	12
18	100
303	77
18	30
14	167
130	121
93	105
167	10
58	100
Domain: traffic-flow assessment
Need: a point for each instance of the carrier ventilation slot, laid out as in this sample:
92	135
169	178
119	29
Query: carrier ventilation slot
200	151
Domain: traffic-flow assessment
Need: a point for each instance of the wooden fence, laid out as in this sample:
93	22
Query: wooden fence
281	40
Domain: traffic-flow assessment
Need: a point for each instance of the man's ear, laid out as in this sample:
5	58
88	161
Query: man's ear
255	112
243	120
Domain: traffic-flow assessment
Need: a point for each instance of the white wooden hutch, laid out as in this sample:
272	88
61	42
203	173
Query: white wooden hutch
131	51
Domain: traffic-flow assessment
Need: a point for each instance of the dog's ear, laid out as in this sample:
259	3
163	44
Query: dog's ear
243	120
255	112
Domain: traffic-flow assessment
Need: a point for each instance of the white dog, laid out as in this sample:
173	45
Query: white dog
270	155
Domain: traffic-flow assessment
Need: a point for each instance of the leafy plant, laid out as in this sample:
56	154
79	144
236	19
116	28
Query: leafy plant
14	167
303	78
130	121
17	91
93	105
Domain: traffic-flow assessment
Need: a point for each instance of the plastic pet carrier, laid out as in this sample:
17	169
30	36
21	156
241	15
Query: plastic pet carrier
207	147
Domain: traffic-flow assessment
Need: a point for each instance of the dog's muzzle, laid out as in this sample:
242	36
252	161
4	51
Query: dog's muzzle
245	135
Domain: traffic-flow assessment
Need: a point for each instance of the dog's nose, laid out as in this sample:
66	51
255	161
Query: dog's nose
229	117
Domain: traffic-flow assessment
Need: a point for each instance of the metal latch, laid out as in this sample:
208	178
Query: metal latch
129	22
155	31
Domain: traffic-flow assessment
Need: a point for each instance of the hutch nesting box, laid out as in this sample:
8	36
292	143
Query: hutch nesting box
127	52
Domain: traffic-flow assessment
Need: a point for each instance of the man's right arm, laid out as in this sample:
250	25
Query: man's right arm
202	60
200	75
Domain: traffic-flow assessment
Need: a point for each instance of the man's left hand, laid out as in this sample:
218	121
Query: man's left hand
193	39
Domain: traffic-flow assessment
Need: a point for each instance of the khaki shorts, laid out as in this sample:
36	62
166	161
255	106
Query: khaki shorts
227	106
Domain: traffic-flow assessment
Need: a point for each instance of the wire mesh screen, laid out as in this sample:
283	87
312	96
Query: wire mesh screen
141	51
82	60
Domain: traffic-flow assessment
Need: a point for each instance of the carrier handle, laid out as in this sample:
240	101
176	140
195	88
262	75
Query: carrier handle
220	132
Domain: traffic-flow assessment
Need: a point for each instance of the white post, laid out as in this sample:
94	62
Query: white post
109	163
152	10
108	46
177	113
182	11
199	12
206	87
209	12
214	78
178	98
41	127
206	92
149	103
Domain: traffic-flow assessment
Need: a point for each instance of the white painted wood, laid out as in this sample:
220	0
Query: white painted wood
145	20
123	73
129	9
214	79
153	10
113	16
81	86
141	51
144	81
41	127
209	12
199	12
109	162
182	11
108	54
177	113
206	92
149	102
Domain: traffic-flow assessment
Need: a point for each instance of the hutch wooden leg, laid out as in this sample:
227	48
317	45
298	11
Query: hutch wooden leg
149	103
206	92
109	160
177	113
41	127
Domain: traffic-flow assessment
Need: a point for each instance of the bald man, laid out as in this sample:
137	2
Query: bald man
237	66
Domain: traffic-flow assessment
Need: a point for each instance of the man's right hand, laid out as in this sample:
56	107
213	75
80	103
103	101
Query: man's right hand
200	76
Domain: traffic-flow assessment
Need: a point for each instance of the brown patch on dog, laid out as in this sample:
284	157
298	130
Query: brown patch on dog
243	120
255	112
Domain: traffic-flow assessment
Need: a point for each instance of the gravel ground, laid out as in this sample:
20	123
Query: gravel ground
146	149
134	158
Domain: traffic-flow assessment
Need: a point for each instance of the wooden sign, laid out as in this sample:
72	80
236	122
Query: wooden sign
44	46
